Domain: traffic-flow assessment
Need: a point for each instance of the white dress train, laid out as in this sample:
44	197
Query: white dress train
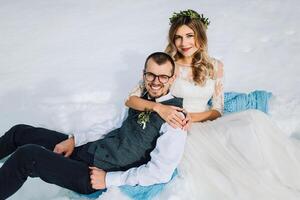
241	156
238	156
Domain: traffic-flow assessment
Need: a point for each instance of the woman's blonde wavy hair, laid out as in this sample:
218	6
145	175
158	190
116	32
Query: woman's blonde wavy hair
202	66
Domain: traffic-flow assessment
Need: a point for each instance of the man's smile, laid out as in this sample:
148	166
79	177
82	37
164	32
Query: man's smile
155	87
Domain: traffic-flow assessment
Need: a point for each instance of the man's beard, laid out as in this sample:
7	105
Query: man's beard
156	97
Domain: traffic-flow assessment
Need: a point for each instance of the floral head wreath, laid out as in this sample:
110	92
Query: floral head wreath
191	14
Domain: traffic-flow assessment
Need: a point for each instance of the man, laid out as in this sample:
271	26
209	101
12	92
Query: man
147	147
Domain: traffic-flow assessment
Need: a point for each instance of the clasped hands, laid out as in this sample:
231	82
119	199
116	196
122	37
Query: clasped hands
97	176
175	116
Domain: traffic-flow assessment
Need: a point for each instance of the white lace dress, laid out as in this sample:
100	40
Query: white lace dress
237	156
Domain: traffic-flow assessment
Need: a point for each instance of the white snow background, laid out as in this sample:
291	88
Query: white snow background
67	64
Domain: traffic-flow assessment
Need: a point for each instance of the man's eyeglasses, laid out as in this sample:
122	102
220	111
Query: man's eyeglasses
149	76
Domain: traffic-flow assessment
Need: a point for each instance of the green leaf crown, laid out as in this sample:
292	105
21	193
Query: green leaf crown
191	14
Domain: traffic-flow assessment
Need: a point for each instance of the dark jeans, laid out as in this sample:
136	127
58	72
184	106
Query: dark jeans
33	156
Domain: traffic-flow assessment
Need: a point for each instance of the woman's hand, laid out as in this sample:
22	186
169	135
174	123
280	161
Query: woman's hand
187	121
171	114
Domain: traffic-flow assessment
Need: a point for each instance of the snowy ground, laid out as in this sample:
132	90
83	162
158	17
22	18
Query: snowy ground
68	64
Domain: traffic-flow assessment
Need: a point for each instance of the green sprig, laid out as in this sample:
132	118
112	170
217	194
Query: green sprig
143	118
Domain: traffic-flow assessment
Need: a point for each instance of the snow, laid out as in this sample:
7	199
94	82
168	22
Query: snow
68	64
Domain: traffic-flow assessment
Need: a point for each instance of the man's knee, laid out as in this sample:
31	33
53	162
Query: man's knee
19	128
25	158
29	151
18	133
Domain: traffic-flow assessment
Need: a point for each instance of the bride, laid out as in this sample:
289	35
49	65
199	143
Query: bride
237	156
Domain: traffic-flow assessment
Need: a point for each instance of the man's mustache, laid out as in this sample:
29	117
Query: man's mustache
153	84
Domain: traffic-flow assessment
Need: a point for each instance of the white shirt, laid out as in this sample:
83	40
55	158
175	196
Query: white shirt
164	158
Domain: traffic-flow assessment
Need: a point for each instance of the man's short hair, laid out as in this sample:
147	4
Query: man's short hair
161	58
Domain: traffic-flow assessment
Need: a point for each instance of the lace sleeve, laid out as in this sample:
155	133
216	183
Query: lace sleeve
218	96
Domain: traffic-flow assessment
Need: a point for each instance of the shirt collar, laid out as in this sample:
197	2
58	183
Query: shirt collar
164	98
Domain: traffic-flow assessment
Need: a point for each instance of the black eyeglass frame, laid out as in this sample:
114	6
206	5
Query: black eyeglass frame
158	76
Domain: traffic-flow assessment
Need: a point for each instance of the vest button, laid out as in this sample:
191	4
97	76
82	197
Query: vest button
106	156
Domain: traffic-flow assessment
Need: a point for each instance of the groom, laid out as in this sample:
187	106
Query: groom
147	147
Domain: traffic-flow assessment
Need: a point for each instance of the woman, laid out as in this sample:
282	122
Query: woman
239	156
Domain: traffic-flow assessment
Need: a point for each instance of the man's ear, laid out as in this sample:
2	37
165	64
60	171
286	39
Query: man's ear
174	76
172	79
143	77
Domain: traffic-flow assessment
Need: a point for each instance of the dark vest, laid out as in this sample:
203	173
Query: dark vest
130	145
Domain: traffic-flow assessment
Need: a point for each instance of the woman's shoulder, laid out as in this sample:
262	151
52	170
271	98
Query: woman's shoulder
138	89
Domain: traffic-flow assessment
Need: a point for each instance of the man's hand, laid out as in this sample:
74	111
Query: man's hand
171	114
97	177
65	147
